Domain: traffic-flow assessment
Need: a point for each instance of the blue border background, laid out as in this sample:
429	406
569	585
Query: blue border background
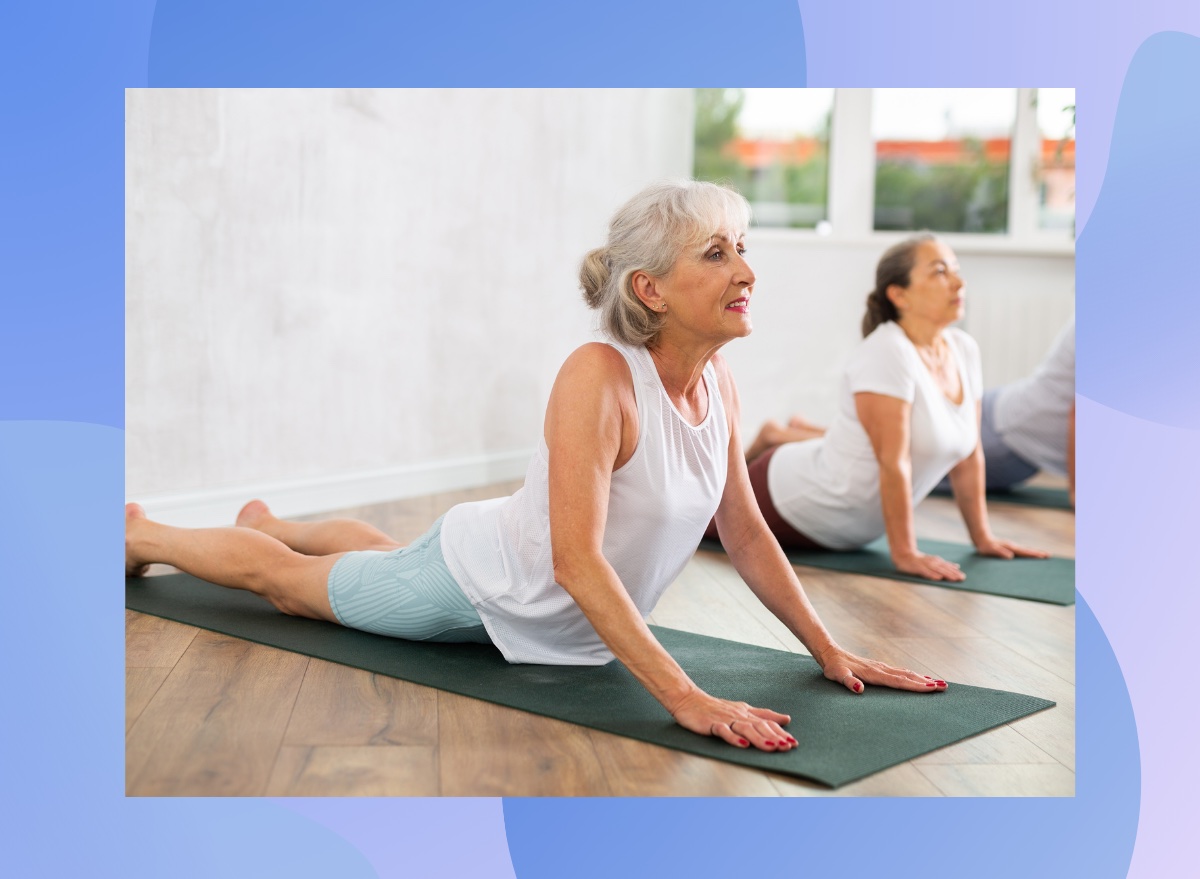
66	64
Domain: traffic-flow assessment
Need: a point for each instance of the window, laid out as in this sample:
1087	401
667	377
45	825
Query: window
1056	162
772	145
996	165
942	158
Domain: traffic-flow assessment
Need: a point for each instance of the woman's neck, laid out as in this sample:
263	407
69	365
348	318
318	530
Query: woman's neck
680	367
922	333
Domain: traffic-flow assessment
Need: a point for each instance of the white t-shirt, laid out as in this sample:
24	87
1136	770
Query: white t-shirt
1031	414
828	488
659	503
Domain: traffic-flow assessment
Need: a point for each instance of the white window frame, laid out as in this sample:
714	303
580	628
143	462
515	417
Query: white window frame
851	194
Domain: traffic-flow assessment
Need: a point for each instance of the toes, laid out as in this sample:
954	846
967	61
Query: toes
253	513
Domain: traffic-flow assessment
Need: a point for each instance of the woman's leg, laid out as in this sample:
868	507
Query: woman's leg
315	538
1003	468
774	434
788	537
240	558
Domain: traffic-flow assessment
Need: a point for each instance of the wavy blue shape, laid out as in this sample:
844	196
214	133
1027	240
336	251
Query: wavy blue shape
530	43
62	646
62	228
419	837
1089	835
1138	321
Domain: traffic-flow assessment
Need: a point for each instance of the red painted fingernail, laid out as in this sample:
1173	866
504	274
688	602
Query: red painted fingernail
743	741
858	688
940	683
793	741
931	685
769	743
928	678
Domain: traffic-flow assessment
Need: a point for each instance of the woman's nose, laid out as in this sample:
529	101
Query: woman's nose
745	274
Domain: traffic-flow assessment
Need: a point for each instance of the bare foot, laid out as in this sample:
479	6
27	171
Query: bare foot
254	515
798	423
133	567
768	436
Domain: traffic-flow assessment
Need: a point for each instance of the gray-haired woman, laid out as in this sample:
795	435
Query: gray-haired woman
640	449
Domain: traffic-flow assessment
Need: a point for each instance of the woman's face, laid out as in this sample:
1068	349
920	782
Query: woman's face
707	292
935	293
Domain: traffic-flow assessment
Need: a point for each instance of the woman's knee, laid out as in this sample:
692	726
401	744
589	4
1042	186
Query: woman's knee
299	586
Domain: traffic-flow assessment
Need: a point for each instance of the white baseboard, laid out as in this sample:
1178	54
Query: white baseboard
302	497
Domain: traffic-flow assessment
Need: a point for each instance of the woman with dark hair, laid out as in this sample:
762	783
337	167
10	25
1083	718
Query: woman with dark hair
640	449
908	415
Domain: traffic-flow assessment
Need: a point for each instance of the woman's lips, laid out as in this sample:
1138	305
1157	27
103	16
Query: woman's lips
741	306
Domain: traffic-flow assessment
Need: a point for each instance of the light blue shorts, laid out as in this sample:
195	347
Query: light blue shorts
406	593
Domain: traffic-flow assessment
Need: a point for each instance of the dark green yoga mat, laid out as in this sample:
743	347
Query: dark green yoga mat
843	737
1049	580
1026	496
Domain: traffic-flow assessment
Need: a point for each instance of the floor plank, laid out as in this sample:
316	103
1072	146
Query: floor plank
489	750
152	642
903	780
215	725
354	771
1000	780
141	684
339	705
639	769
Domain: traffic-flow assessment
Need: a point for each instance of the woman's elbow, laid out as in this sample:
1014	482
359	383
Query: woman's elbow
570	565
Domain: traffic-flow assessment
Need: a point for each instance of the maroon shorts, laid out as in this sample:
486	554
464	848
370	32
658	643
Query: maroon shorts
788	537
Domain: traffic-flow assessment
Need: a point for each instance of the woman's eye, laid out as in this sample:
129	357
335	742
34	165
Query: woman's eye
741	251
716	254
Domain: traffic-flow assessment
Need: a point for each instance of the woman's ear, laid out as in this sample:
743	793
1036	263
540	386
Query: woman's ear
898	296
645	288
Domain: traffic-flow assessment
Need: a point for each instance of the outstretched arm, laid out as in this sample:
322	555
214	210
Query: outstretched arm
591	430
968	481
756	555
886	421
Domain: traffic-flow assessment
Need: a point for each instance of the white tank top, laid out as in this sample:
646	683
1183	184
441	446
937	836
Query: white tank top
659	504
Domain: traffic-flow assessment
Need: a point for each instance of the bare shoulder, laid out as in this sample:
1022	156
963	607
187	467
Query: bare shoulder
595	368
592	405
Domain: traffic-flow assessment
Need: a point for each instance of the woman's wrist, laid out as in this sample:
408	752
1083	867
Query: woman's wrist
982	536
678	697
823	653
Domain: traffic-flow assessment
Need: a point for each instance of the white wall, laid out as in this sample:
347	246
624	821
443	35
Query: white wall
332	285
339	297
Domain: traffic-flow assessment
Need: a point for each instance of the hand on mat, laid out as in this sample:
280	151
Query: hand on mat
853	671
742	725
1006	549
931	567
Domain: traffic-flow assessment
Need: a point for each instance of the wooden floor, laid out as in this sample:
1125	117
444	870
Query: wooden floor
207	714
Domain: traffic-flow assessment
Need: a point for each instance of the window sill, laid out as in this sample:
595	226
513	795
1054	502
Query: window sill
962	243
